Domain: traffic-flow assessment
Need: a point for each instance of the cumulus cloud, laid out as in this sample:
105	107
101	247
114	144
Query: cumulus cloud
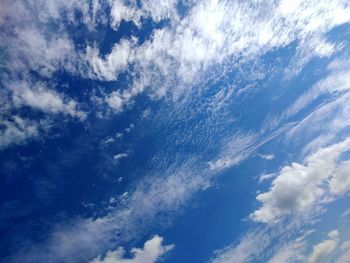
298	186
322	250
150	253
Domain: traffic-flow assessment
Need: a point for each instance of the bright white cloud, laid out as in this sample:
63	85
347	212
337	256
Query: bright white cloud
298	186
150	253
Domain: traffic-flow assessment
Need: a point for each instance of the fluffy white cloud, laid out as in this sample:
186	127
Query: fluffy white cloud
298	186
150	253
322	250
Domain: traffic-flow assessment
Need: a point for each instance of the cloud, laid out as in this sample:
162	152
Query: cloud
340	181
267	157
156	195
17	130
289	253
337	81
108	68
41	98
249	247
120	156
344	256
322	250
150	253
179	55
298	186
235	149
133	11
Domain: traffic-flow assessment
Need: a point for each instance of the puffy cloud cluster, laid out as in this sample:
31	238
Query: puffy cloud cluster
299	186
150	253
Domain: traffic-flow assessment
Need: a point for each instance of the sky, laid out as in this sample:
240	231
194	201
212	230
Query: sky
174	131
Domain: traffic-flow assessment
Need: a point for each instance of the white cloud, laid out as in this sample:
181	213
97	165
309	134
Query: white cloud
17	130
41	98
337	81
340	181
298	186
267	157
120	156
344	256
180	54
249	247
108	68
132	11
289	253
264	177
150	253
235	149
322	250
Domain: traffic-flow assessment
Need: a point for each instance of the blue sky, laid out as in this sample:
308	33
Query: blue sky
174	131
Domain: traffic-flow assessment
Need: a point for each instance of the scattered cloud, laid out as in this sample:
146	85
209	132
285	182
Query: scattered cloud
120	156
267	157
150	253
265	177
